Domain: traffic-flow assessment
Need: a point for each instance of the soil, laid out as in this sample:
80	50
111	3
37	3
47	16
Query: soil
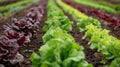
33	46
113	31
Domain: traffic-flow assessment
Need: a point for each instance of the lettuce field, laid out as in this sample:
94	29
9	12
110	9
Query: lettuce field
59	33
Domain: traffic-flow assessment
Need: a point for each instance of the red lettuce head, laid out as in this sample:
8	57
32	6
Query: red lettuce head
8	48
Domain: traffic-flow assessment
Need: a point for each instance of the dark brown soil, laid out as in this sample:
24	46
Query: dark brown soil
35	44
113	31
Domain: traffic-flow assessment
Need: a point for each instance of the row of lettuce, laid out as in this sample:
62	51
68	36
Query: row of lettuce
108	45
19	33
95	12
100	5
60	48
13	7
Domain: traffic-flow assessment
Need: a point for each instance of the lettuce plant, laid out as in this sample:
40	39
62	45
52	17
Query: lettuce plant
20	32
60	50
56	18
108	45
82	19
57	33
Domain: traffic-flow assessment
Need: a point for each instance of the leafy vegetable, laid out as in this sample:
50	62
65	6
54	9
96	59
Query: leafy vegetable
82	23
82	19
60	49
61	53
57	18
97	13
8	48
20	32
57	33
105	43
108	45
115	63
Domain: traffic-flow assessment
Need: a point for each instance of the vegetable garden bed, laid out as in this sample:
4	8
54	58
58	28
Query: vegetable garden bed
60	33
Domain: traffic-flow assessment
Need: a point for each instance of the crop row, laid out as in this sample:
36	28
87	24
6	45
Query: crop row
97	13
100	5
20	32
100	38
60	48
7	9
